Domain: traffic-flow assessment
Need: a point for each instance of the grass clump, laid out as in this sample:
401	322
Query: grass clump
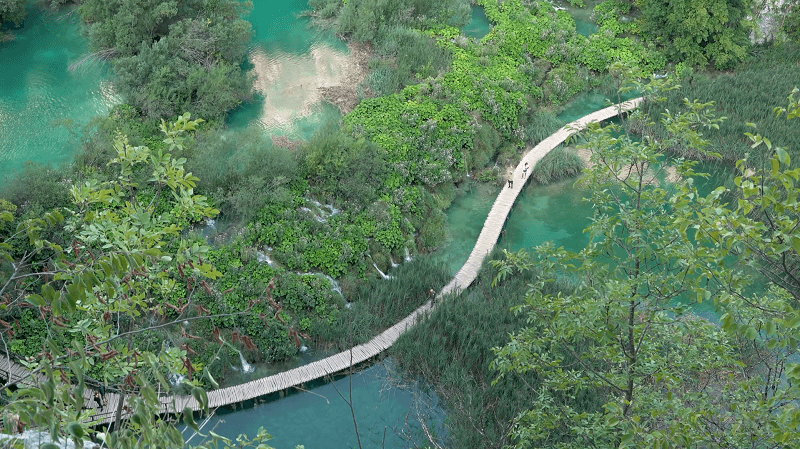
452	350
540	126
381	303
556	165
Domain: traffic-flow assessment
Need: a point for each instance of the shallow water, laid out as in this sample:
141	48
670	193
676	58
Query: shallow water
291	61
40	98
583	16
478	25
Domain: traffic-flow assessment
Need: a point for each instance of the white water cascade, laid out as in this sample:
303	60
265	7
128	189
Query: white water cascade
264	258
383	275
246	367
408	256
334	285
175	379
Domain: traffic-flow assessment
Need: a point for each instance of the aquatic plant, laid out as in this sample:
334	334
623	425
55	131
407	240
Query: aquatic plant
558	164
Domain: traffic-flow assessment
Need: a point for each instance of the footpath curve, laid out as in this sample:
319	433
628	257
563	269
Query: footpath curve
336	363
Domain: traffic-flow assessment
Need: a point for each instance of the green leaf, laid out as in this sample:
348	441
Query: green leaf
76	430
783	156
793	371
200	396
35	300
188	418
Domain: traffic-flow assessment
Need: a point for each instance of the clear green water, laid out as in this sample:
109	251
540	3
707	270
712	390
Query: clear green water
583	16
554	212
478	25
320	418
40	97
294	60
465	218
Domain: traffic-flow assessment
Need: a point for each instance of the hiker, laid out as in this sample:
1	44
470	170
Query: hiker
510	184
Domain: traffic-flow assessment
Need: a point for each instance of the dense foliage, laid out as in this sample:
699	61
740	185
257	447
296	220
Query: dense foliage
627	332
353	200
698	32
451	349
171	57
86	298
12	11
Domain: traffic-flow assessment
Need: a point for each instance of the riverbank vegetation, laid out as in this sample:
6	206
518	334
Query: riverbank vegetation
615	323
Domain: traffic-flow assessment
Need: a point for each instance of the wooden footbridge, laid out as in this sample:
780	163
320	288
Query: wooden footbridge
105	408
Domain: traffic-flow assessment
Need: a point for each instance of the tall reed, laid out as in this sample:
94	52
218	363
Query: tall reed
747	95
380	303
452	350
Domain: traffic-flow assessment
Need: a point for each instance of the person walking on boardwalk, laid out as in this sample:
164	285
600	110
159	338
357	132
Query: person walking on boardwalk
510	183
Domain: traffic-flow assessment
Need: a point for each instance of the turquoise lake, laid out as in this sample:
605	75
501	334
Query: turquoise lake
43	103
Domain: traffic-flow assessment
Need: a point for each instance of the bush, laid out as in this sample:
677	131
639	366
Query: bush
558	164
242	171
698	32
173	57
540	125
38	188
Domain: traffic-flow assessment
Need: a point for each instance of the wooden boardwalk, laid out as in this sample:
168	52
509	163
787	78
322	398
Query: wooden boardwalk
343	360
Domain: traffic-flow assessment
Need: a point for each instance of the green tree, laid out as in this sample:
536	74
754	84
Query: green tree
626	333
174	56
698	32
96	293
12	11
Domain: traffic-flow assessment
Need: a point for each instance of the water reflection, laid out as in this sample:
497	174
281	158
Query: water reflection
291	84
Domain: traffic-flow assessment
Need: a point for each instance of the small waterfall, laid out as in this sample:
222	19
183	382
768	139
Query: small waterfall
317	217
383	275
263	258
175	379
333	210
210	222
334	285
246	367
394	264
303	349
408	256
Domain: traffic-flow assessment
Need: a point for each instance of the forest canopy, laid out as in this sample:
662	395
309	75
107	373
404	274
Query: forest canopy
12	11
171	57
